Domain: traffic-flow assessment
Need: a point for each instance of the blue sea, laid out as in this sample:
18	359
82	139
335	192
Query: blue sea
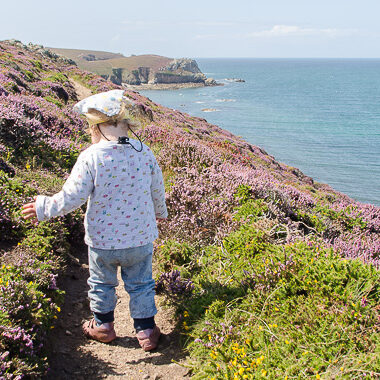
319	115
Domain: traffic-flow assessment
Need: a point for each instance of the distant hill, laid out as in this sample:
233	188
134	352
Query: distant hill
136	69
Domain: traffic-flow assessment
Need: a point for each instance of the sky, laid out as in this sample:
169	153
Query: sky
200	28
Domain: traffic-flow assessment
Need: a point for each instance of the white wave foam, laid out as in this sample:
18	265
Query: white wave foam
225	100
210	110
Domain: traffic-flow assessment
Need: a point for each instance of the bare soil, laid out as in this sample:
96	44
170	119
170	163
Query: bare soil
72	356
82	91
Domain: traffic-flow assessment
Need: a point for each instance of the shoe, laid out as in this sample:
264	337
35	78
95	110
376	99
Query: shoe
148	338
104	333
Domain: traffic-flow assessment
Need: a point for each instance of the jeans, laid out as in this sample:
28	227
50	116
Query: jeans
136	272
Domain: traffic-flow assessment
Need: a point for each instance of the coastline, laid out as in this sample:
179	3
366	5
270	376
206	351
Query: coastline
166	86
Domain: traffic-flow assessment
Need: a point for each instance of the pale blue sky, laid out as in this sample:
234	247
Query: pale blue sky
200	28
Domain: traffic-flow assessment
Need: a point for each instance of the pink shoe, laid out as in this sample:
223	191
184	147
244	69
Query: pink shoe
104	333
148	338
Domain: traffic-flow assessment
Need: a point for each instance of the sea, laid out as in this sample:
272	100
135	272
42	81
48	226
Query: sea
319	115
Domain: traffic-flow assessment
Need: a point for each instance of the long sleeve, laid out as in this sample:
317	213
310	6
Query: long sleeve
158	192
74	193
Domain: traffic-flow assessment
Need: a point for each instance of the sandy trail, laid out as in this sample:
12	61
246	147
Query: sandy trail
72	356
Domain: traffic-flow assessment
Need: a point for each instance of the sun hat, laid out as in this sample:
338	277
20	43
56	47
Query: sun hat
106	106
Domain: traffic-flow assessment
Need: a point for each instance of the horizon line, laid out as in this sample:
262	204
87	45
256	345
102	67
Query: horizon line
284	57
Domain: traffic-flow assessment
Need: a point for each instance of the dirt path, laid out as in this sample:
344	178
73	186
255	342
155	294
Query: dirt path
82	92
72	356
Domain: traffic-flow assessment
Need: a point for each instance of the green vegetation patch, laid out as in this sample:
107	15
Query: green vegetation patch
260	309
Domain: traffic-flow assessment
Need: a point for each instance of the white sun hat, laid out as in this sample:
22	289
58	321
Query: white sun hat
106	106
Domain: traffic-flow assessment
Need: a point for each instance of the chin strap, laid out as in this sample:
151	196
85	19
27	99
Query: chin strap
125	140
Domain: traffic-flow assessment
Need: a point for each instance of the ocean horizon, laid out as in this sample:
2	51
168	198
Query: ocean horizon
321	115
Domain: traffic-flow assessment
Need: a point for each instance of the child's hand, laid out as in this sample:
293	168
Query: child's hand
29	211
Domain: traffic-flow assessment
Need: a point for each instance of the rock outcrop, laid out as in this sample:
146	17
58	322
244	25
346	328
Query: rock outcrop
40	50
136	70
182	70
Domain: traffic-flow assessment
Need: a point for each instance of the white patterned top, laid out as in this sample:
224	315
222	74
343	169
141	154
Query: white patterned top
125	193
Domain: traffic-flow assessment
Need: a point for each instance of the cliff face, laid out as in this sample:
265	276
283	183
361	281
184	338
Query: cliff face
135	70
183	70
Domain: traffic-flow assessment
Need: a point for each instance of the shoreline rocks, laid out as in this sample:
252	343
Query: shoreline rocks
167	86
238	80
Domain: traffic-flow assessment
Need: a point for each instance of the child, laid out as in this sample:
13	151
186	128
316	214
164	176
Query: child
123	184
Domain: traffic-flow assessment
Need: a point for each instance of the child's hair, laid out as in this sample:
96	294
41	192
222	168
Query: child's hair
95	118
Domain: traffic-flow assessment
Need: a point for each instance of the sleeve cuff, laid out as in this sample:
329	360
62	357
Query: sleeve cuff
162	215
40	206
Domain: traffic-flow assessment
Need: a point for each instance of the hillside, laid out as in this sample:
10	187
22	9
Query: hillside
136	69
101	62
268	274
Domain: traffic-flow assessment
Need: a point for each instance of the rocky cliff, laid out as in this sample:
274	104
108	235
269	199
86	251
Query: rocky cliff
136	70
182	70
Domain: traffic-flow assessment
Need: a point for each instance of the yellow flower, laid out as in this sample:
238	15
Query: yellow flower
263	372
287	342
58	309
317	376
276	308
341	368
241	371
185	314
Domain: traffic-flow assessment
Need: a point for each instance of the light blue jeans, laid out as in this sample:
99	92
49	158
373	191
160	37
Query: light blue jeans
136	272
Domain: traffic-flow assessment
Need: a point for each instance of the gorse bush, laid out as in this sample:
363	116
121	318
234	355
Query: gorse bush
266	310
